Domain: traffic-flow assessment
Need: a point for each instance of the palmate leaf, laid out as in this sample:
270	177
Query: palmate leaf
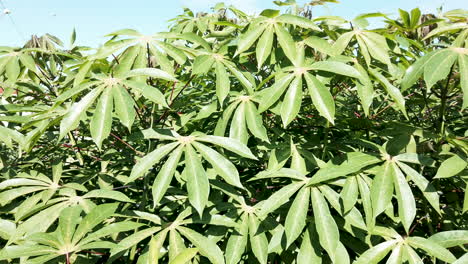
263	29
197	180
65	238
113	95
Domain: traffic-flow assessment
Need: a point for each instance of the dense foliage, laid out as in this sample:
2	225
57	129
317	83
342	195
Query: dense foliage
277	138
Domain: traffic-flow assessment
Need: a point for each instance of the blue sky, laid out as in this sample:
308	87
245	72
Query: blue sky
95	18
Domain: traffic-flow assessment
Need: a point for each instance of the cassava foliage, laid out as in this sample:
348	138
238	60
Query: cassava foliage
274	138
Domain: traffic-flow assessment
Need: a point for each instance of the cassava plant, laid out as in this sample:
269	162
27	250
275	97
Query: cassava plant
275	138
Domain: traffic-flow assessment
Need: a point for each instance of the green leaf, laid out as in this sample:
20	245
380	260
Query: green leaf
107	194
164	177
92	219
309	251
222	165
198	186
292	101
109	230
451	238
237	242
230	144
72	118
82	72
364	190
223	84
28	61
354	162
366	90
297	214
376	253
423	184
406	202
123	106
414	72
255	122
394	92
451	167
286	42
279	198
12	69
185	256
68	219
349	194
6	229
463	65
462	259
134	239
145	163
431	248
12	252
321	97
247	39
258	240
240	76
327	229
238	129
319	44
148	91
411	255
151	72
275	92
297	21
438	66
176	244
442	29
342	42
382	188
202	64
335	67
126	60
396	255
264	46
100	125
196	39
154	247
206	247
377	46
